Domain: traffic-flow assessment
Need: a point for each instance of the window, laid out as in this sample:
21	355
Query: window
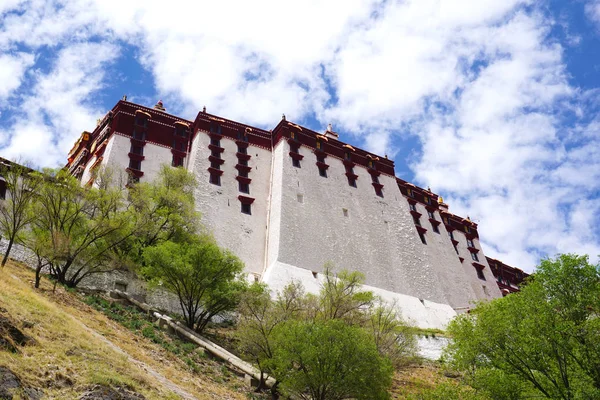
431	214
321	159
216	154
451	234
215	142
413	207
246	208
215	179
243	162
2	189
435	228
416	221
243	174
456	249
319	145
139	150
348	156
470	243
133	179
141	120
426	199
244	187
293	135
135	164
215	128
375	178
296	162
351	181
181	130
177	161
422	237
480	274
467	229
242	150
370	163
474	256
139	135
323	172
379	192
215	165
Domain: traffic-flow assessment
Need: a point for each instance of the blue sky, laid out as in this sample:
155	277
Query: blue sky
492	103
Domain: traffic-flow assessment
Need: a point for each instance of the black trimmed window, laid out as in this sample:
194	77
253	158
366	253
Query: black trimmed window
412	206
244	187
456	249
243	162
475	257
139	150
139	135
243	173
451	234
215	179
379	191
141	120
215	153
180	130
215	128
416	220
352	181
215	141
215	165
246	208
2	189
177	161
431	214
347	156
435	228
470	243
323	172
242	149
480	274
422	237
135	164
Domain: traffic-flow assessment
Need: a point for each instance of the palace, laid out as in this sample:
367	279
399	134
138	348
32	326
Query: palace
290	200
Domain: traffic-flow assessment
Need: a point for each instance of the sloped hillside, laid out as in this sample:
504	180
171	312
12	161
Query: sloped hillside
70	351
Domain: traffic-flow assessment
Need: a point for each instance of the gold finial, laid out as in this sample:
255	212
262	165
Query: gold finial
440	200
468	219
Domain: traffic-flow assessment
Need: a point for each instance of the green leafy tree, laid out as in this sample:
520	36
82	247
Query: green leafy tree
329	360
76	229
259	316
206	279
543	341
163	210
15	216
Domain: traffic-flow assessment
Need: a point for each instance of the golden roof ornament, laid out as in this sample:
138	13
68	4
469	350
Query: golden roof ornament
440	200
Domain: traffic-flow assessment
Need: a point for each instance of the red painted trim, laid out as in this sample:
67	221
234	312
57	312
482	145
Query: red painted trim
215	135
420	229
348	163
296	156
138	142
434	222
378	186
455	242
242	143
353	176
215	171
246	200
137	157
472	249
215	159
416	213
179	153
461	259
242	156
135	172
322	165
373	171
216	148
477	265
241	167
243	179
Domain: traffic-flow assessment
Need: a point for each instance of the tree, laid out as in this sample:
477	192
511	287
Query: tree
164	210
329	360
259	316
543	341
21	184
76	229
206	279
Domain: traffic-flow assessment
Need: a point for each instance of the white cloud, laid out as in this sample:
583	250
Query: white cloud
12	70
592	10
60	106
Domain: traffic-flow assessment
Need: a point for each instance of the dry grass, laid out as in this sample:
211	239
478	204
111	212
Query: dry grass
78	346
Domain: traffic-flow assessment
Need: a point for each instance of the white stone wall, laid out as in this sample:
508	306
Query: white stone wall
244	235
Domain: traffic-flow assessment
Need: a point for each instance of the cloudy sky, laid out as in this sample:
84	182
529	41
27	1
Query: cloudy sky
492	103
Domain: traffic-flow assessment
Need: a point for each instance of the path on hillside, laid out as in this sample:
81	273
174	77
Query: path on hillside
157	375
